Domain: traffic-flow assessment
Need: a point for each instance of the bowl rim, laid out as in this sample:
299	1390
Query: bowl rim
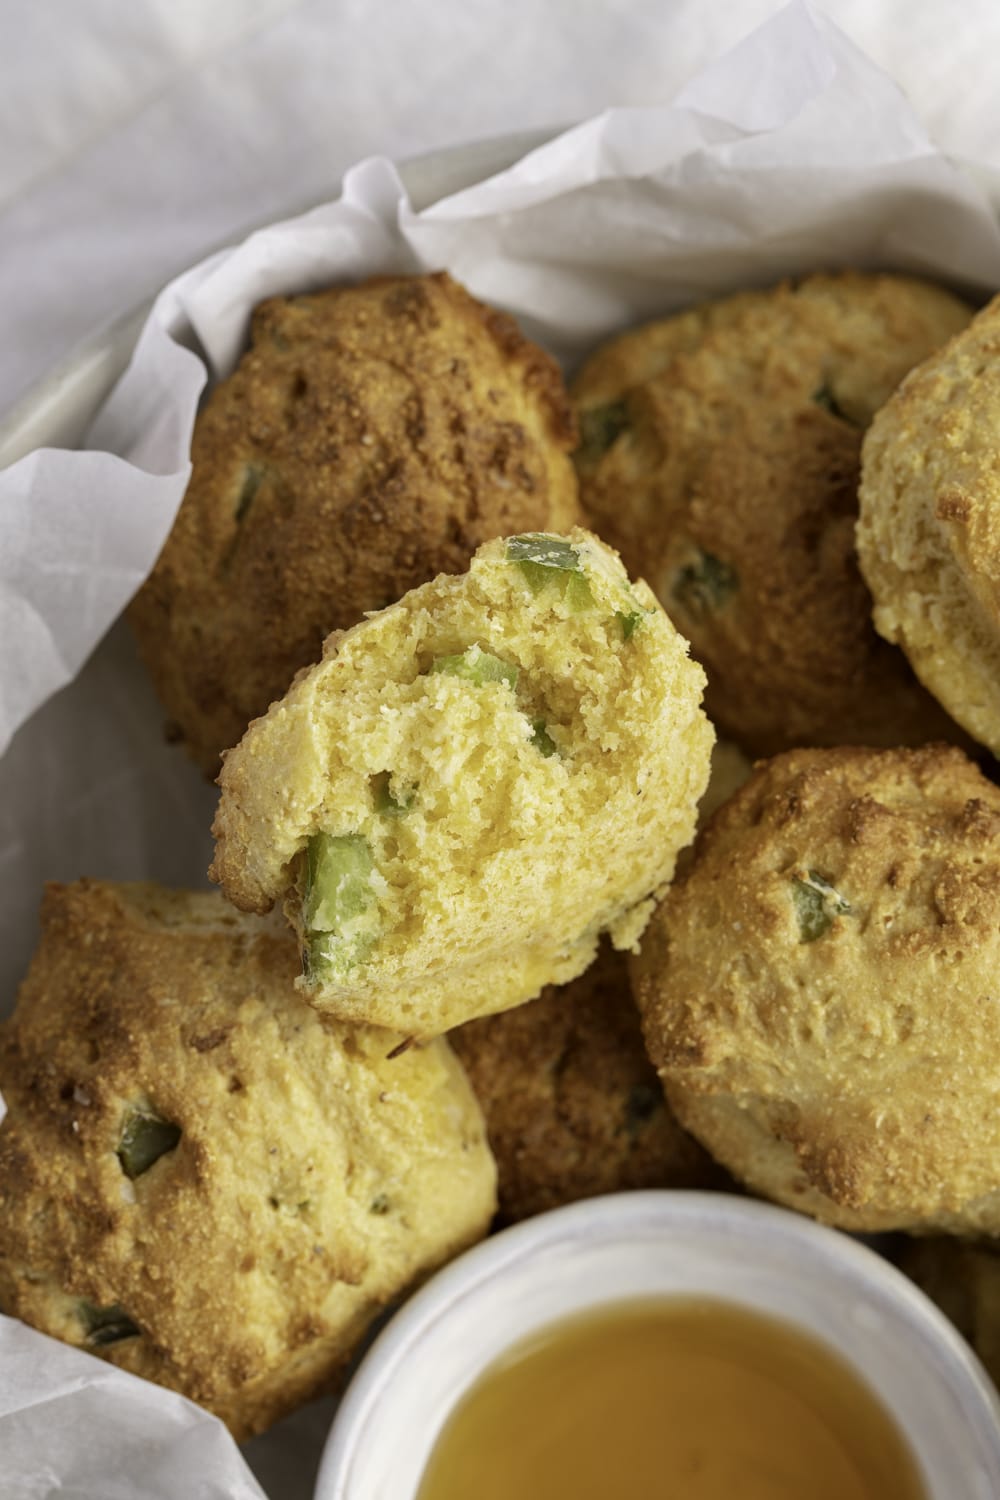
659	1212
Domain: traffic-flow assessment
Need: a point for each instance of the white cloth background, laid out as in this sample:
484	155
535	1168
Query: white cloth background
136	134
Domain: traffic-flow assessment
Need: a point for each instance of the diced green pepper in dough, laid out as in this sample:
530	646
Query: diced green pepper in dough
145	1138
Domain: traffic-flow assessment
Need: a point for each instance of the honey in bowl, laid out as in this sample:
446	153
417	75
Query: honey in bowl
691	1399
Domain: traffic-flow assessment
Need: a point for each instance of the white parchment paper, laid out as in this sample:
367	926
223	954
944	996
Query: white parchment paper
793	153
71	1425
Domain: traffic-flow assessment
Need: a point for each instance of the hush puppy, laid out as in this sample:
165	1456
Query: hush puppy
471	786
819	991
201	1182
572	1103
929	531
372	437
720	454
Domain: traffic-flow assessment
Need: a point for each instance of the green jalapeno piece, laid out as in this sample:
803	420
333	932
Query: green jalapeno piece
600	429
144	1139
478	666
551	562
106	1325
705	584
339	907
816	904
542	740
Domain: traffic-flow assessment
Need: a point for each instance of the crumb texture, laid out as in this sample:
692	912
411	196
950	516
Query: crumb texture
520	751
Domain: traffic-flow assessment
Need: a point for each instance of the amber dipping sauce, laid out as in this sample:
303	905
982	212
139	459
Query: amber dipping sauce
677	1399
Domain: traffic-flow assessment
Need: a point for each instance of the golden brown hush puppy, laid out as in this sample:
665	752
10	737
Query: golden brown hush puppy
819	991
720	455
372	437
471	786
573	1105
929	531
198	1180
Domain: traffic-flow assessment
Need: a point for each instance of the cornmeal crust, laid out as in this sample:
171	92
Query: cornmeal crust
573	1105
309	1175
720	454
929	531
819	991
372	437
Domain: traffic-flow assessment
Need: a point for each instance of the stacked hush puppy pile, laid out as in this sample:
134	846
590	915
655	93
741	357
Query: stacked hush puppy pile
463	756
234	1135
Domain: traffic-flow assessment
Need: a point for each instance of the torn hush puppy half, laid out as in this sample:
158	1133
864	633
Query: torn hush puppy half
471	786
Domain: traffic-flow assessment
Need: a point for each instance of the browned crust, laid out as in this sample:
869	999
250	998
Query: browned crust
727	451
929	530
372	437
846	1074
573	1106
243	1255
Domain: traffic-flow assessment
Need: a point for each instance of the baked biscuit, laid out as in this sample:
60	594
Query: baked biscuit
720	455
964	1280
198	1180
572	1103
929	531
371	437
471	786
818	991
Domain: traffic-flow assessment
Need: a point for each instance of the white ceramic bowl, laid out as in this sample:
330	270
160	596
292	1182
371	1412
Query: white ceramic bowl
657	1244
